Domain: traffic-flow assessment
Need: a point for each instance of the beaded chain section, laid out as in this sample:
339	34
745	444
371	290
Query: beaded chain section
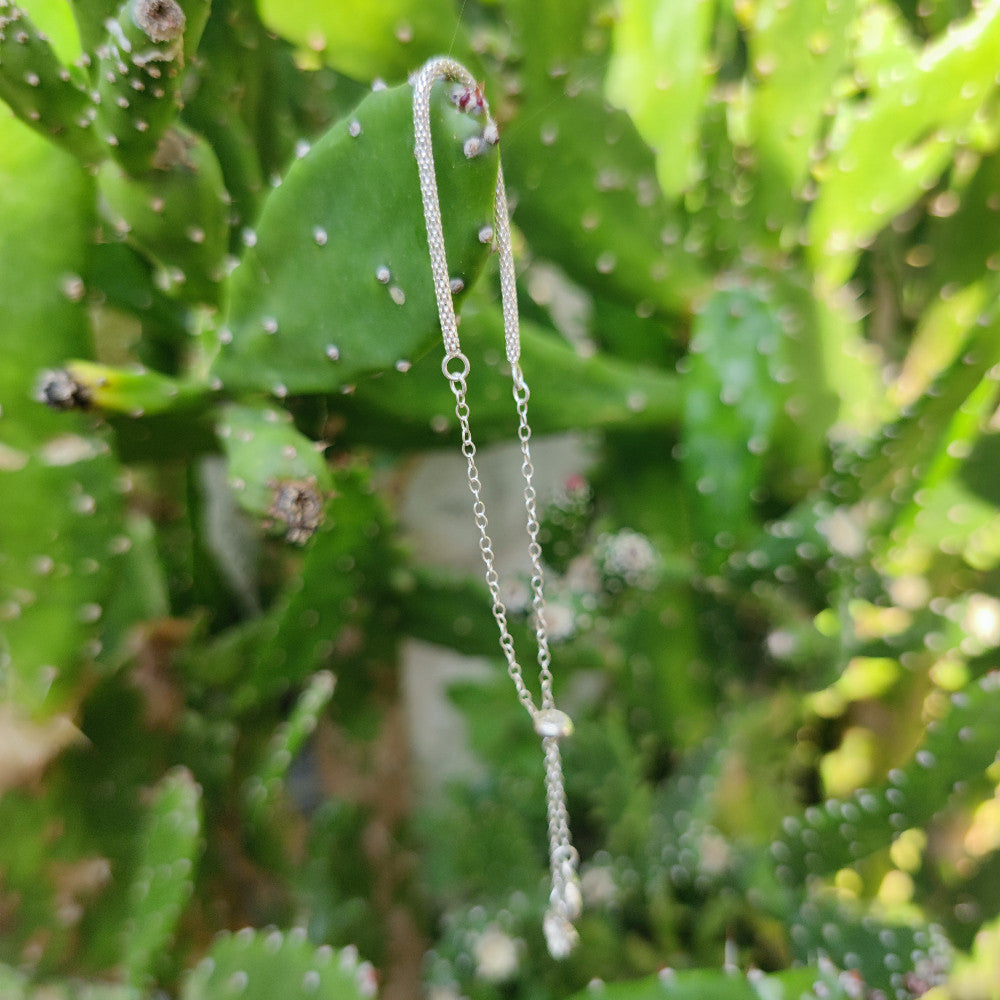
565	900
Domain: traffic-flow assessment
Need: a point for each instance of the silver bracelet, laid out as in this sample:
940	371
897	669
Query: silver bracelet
551	724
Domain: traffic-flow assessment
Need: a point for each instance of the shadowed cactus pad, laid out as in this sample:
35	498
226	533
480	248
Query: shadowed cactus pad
958	749
163	880
175	213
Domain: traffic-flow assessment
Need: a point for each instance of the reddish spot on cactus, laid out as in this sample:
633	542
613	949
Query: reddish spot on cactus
469	99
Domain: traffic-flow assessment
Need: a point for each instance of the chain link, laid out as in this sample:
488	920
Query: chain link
459	388
565	898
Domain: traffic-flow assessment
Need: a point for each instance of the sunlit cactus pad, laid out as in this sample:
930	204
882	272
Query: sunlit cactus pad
335	280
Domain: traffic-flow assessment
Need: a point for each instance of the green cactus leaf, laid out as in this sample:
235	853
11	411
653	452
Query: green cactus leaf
59	543
404	407
596	209
883	47
135	393
797	51
175	214
718	984
91	17
261	788
550	38
940	334
43	191
40	90
140	594
958	748
277	473
338	282
253	104
889	148
362	40
961	246
660	74
440	608
138	80
895	461
927	520
335	883
61	500
196	15
262	965
891	958
163	878
736	358
334	591
125	281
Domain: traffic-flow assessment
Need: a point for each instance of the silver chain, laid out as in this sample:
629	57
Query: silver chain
565	900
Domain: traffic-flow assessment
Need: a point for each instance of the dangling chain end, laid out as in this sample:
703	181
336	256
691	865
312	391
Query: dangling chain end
565	903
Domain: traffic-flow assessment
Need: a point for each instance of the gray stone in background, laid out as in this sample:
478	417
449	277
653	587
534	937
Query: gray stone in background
437	522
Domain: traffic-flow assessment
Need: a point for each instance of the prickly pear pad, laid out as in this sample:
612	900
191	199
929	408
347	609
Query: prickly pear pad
334	283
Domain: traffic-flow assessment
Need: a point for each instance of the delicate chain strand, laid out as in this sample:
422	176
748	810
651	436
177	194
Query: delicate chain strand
565	899
458	387
534	547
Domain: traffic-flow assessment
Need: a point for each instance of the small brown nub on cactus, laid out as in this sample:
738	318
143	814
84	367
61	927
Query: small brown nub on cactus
173	151
60	391
298	504
162	20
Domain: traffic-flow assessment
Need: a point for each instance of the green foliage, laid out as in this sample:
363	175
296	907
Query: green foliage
802	984
758	249
260	965
888	148
736	360
652	41
163	878
154	212
37	87
346	222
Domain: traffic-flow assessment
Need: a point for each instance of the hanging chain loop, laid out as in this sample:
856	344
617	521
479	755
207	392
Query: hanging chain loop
565	900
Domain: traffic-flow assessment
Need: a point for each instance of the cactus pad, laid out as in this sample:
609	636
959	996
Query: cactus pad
262	965
41	91
163	879
823	983
278	474
337	282
176	213
958	747
260	789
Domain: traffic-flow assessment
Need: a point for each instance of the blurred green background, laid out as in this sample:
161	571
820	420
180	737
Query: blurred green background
256	737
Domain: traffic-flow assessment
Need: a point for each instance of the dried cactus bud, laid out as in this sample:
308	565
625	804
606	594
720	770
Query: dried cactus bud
59	390
162	20
298	504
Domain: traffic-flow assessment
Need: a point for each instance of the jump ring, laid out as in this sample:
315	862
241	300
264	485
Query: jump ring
455	376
